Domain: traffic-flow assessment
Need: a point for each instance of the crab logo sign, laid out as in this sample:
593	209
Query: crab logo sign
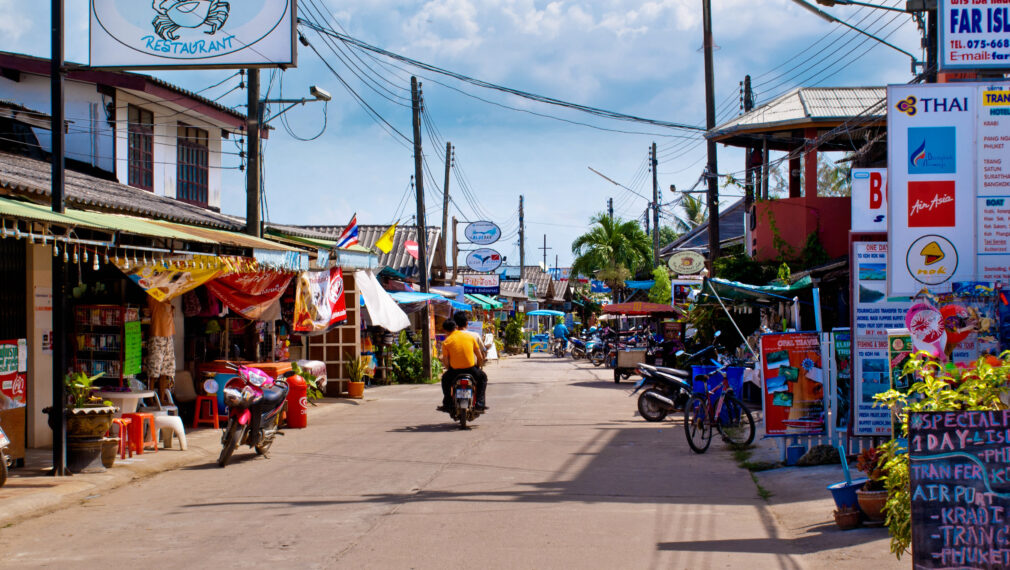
192	33
482	233
931	260
483	260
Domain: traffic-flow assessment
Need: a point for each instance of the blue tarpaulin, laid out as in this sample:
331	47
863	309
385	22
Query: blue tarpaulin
644	285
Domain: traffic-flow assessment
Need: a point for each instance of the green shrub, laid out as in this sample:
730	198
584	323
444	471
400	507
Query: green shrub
407	363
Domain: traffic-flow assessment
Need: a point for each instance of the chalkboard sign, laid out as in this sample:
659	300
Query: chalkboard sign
960	483
131	348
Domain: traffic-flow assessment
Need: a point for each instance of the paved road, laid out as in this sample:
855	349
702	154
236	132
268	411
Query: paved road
559	474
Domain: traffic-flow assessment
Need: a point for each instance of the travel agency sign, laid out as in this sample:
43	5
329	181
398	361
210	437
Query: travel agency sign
149	34
482	233
948	211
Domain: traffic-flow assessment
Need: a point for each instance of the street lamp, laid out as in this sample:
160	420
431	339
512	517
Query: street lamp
833	20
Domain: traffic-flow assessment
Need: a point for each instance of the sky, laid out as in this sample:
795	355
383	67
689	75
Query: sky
634	57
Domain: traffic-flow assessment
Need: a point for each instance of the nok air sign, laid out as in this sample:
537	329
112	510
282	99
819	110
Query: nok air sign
192	33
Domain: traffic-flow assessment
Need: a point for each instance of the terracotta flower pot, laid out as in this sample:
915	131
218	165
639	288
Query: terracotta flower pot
872	504
356	390
847	520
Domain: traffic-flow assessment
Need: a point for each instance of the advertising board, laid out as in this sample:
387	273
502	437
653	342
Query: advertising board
192	33
869	200
975	35
482	233
793	379
686	262
481	283
483	260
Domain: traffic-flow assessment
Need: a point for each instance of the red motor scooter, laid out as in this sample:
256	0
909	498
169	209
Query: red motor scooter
255	402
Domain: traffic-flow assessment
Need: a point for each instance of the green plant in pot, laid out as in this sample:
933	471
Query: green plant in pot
872	497
88	419
356	368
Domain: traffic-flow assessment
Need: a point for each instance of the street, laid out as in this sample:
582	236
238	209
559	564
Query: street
560	473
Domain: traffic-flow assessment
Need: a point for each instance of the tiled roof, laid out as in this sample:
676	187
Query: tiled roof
397	258
731	226
806	105
560	288
31	178
531	274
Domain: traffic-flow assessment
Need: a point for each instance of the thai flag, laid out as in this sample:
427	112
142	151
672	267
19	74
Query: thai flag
350	235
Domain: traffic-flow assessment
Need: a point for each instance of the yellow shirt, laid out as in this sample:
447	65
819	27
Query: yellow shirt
462	349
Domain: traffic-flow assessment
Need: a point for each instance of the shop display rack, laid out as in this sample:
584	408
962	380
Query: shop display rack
101	338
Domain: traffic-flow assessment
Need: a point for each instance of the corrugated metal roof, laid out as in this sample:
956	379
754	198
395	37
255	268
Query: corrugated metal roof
543	281
226	238
397	258
806	105
731	226
30	177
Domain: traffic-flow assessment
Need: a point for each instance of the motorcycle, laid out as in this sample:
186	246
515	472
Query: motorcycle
668	390
558	347
464	391
5	458
578	348
255	401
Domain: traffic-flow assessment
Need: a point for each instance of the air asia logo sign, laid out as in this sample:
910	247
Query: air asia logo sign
931	204
191	30
931	259
483	260
932	150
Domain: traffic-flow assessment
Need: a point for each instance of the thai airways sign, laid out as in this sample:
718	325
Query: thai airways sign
482	233
192	33
483	260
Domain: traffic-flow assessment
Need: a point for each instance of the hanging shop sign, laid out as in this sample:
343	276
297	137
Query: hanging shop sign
869	200
167	278
946	166
481	284
975	36
13	374
686	262
482	233
841	352
192	34
132	343
958	495
250	294
319	301
483	260
794	384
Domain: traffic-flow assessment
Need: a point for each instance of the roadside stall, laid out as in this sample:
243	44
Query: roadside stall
652	313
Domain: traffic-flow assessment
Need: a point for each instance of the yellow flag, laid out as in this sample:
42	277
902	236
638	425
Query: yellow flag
385	242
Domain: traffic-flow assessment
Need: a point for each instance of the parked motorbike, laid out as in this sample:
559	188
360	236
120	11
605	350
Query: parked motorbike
5	458
464	391
255	401
578	348
558	347
666	390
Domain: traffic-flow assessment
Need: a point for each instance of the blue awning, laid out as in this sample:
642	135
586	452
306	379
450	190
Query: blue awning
642	285
405	297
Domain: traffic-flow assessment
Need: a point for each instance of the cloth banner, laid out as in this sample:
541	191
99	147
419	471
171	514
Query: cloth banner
13	373
175	275
382	309
319	301
249	294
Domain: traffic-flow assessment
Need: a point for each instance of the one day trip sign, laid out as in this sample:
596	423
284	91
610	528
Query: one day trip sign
192	33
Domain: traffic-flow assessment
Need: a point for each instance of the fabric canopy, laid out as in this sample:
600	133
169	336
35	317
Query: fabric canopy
382	309
545	313
404	297
640	285
482	301
766	293
641	308
495	303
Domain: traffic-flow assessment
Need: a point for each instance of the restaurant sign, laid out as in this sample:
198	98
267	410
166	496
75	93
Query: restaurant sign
481	284
483	260
482	233
686	262
192	33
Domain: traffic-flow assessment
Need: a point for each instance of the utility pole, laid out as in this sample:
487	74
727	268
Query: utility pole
746	104
610	207
654	163
252	171
455	250
647	219
522	240
59	277
932	63
712	171
545	248
445	213
422	231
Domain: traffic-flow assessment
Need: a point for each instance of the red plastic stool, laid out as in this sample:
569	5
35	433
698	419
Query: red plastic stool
125	445
211	416
140	420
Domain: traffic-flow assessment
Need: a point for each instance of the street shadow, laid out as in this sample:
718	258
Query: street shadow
237	459
626	385
427	428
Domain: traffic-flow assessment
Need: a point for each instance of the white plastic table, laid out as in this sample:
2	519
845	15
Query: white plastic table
126	401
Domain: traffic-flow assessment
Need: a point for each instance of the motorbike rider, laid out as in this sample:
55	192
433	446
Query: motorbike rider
561	333
462	353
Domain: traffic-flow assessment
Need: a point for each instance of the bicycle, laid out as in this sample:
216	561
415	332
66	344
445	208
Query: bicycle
726	413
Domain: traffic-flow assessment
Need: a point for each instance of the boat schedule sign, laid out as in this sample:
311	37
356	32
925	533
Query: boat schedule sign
974	34
142	34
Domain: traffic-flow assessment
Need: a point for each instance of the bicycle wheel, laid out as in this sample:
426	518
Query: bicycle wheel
735	422
696	424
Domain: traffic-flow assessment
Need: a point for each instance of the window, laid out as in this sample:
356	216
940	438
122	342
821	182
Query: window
141	153
192	165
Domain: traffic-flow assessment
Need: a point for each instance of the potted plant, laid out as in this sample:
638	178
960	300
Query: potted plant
88	419
356	369
873	496
847	518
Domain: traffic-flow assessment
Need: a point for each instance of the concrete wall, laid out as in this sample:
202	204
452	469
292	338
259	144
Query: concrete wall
791	220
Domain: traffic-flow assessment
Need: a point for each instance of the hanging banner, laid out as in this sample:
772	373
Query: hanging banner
166	280
869	200
481	283
975	36
319	301
250	294
482	233
189	34
794	384
13	374
483	260
841	351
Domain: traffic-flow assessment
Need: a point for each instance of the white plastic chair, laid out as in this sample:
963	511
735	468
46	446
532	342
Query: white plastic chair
167	426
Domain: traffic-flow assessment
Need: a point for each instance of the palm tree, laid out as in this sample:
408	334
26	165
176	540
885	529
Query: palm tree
695	213
613	249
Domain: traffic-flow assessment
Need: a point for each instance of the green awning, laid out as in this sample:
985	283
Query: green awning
764	293
495	303
475	300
